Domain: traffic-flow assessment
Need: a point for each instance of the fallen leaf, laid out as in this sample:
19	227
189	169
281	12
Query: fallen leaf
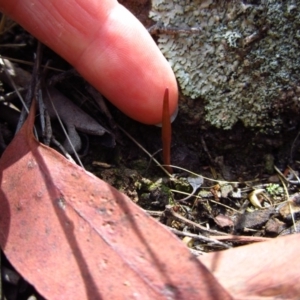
223	221
73	236
267	270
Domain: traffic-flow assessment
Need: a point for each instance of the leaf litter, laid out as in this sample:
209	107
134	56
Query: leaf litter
75	237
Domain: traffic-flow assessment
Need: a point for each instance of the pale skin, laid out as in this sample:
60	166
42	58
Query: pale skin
108	46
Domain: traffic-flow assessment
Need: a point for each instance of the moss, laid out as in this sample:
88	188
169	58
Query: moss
244	63
154	194
275	189
181	184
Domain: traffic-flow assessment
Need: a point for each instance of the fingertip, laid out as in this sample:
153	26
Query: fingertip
129	69
108	46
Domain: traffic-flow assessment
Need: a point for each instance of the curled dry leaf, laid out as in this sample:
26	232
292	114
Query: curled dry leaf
74	236
253	198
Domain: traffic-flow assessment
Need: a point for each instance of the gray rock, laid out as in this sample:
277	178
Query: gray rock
243	61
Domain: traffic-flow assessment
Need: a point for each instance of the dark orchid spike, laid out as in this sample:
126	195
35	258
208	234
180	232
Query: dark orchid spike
166	133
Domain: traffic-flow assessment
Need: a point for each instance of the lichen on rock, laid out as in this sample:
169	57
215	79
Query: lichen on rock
244	63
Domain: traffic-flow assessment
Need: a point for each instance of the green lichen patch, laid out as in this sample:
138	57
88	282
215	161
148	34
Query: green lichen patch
154	194
244	62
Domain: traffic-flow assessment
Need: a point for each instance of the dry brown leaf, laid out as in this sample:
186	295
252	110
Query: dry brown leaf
74	236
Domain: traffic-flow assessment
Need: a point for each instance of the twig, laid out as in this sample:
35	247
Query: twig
201	199
154	213
242	238
283	180
64	129
195	183
140	146
198	237
169	212
206	150
213	180
28	63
